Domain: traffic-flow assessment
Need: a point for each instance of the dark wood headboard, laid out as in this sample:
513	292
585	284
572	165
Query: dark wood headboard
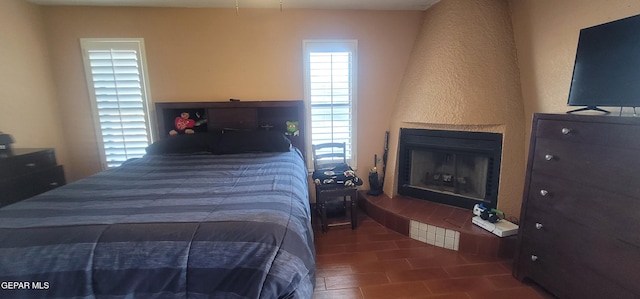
237	115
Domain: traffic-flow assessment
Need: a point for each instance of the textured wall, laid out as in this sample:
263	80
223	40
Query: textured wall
546	34
463	75
28	106
213	55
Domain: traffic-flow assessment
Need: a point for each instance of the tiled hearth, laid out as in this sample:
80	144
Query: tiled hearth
436	224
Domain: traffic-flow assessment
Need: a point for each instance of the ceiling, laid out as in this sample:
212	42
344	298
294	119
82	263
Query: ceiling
309	4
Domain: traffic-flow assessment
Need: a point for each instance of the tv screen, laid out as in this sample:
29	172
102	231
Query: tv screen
607	66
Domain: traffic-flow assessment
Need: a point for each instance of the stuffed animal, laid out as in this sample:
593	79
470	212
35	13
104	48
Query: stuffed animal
292	128
183	124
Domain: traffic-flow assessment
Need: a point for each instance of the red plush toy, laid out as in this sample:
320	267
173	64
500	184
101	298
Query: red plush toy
183	124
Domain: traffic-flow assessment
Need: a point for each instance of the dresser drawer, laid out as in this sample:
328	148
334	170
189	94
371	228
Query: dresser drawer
23	187
558	276
607	134
562	244
27	163
586	205
567	278
579	233
606	167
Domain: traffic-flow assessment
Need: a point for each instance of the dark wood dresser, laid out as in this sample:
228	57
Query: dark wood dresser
28	172
580	222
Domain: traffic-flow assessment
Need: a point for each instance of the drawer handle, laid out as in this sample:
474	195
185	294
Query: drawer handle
53	184
534	258
538	225
30	165
548	157
544	192
566	131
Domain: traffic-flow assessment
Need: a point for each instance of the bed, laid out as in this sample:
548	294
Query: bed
176	223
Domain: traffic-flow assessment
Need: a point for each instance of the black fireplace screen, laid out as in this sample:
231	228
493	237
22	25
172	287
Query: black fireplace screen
455	173
450	167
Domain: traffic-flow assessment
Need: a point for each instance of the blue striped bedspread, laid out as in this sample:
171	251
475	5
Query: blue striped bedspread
184	226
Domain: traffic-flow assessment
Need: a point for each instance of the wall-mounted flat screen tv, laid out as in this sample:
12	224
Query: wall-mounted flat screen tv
607	66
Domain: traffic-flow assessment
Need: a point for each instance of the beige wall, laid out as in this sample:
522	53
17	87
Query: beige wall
214	55
463	76
546	34
28	106
465	56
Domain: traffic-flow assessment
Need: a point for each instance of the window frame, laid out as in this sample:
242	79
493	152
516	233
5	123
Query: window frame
87	44
333	45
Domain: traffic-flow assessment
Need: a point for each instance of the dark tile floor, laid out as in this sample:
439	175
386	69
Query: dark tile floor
375	262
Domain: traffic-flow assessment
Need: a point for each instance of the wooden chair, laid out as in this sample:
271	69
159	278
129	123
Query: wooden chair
326	156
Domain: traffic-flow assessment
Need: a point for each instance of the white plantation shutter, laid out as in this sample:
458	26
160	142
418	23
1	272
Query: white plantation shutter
330	92
116	81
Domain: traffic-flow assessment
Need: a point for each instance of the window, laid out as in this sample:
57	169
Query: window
116	79
330	92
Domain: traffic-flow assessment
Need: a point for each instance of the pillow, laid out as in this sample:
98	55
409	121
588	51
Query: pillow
237	142
185	144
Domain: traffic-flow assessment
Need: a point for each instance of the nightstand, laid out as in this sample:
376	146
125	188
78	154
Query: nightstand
26	172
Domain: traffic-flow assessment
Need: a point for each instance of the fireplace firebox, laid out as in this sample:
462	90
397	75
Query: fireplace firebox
456	168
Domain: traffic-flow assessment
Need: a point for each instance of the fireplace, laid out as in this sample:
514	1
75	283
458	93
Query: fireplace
456	168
